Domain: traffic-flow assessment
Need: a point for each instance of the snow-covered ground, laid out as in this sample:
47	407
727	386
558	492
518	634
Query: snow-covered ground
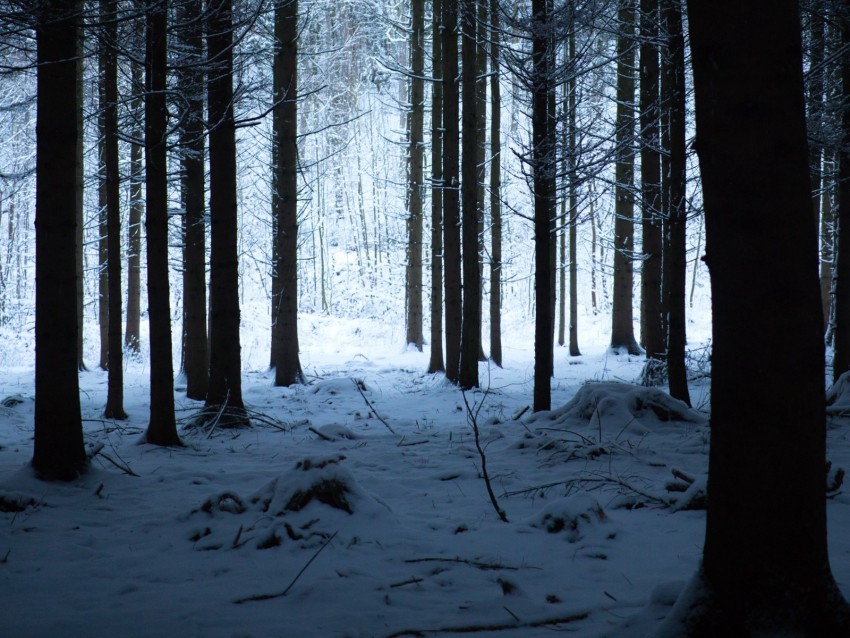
220	538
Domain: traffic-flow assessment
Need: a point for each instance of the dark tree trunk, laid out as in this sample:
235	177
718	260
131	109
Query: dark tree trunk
162	429
191	79
676	265
134	222
841	282
470	334
481	154
103	228
451	191
652	334
495	188
415	186
79	181
436	363
115	394
543	156
58	452
572	152
764	572
225	387
287	363
622	328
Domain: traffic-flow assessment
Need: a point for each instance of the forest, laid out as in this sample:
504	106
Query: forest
409	318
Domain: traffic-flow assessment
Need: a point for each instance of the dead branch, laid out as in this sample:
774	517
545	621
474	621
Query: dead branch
472	417
465	561
471	629
371	407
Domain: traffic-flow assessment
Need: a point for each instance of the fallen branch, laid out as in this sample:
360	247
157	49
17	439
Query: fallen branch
409	581
324	437
472	417
472	629
464	561
259	597
124	468
371	407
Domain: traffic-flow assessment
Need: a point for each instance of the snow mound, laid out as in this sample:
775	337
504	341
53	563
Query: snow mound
574	516
337	386
838	397
624	404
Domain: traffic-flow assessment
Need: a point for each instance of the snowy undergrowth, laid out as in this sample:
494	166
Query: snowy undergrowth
360	509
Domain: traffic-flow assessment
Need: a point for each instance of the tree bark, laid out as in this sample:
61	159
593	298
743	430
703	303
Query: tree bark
79	265
841	281
58	452
572	151
763	572
495	186
287	363
134	221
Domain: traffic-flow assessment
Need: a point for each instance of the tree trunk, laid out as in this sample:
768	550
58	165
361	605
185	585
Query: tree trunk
470	334
436	363
162	429
415	186
225	387
58	452
622	329
543	155
115	352
451	191
134	222
103	227
572	151
287	364
79	265
191	79
841	361
676	265
481	154
495	188
763	572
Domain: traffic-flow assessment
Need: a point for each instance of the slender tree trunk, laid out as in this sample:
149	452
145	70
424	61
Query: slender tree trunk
225	387
436	363
677	263
103	227
58	452
79	266
841	282
572	151
495	187
827	239
652	334
481	154
285	195
162	429
134	222
764	573
470	333
622	328
415	185
543	155
191	79
115	385
451	191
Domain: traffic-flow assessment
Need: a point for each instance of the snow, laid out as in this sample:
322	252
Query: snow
338	516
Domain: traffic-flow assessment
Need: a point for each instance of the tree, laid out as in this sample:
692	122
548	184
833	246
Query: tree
190	79
764	572
286	363
451	202
495	187
841	302
471	323
436	363
543	166
79	91
225	389
59	453
415	163
572	165
162	428
115	352
136	208
622	328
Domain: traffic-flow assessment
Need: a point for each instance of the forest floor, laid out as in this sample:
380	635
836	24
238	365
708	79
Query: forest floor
356	505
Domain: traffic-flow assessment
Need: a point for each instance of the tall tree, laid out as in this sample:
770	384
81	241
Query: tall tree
543	159
572	164
451	190
415	165
436	363
495	186
622	328
80	93
675	260
287	364
470	332
162	428
103	227
764	573
58	452
190	78
841	301
225	389
134	220
115	355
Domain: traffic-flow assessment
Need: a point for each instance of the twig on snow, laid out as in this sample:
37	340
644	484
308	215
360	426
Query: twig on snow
472	417
471	629
371	407
465	561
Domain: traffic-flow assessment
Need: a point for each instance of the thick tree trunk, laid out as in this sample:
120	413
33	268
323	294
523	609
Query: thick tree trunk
841	282
622	328
115	385
162	429
103	228
191	79
287	363
495	187
79	181
764	572
470	334
451	191
415	164
225	387
58	452
436	363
